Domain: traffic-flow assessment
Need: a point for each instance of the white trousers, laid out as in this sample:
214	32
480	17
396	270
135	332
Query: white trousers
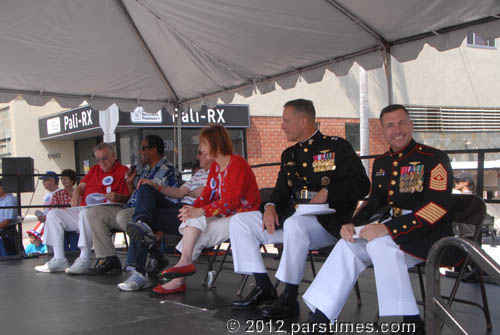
332	286
299	235
67	219
214	230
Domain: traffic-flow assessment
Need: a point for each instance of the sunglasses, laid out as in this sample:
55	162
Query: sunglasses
101	159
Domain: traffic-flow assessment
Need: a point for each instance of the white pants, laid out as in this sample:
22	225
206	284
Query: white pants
214	230
67	219
299	235
332	286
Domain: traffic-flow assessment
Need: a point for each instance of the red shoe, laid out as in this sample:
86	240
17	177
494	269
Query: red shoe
163	291
178	271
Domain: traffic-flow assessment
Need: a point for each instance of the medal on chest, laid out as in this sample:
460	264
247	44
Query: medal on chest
411	179
324	162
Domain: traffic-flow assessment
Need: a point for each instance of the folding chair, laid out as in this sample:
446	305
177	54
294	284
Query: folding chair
469	209
211	275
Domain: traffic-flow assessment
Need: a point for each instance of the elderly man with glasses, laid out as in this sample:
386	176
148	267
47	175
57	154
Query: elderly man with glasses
156	173
105	182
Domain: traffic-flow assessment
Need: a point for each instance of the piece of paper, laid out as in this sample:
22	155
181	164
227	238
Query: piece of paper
313	209
357	230
95	199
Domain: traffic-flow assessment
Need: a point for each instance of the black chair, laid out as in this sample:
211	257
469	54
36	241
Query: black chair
469	210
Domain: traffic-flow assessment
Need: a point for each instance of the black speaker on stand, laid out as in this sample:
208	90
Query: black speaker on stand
18	178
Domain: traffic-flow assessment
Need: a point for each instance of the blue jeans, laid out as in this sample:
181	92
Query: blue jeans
160	213
137	254
148	201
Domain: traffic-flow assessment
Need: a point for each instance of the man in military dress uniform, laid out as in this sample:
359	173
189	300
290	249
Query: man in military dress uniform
318	169
413	182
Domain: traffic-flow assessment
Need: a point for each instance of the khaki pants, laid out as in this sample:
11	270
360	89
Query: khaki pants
102	220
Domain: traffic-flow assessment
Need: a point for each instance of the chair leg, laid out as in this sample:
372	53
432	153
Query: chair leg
421	281
311	260
125	239
211	261
486	309
358	293
244	280
211	283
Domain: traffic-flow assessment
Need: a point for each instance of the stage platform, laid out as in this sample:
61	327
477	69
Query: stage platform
39	303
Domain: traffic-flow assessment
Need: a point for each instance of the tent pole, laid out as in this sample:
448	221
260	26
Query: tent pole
179	137
388	73
364	126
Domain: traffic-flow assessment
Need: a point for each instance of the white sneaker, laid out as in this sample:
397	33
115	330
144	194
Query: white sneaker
53	265
135	282
79	267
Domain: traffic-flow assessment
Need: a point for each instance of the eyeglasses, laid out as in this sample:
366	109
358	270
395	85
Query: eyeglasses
144	147
101	159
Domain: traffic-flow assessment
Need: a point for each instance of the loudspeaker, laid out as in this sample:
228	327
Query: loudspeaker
18	166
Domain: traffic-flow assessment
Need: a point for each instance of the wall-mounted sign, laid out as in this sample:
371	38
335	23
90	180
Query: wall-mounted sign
74	120
139	115
231	116
53	125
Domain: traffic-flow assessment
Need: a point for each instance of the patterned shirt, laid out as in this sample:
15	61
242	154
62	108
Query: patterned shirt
197	180
163	174
231	190
61	197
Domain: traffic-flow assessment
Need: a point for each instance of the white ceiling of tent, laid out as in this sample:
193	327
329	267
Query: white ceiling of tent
153	52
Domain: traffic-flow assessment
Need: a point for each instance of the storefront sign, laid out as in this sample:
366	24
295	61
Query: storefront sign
139	115
231	116
75	120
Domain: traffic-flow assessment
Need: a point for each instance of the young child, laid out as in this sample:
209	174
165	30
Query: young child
36	246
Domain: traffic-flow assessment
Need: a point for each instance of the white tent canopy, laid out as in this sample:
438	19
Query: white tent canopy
157	52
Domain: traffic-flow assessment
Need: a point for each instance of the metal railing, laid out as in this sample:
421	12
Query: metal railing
437	310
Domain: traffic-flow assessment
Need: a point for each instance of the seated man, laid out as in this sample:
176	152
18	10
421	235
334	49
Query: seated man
161	219
318	169
106	178
157	171
8	231
413	181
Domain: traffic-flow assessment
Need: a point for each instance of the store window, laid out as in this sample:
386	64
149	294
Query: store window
352	135
129	145
84	150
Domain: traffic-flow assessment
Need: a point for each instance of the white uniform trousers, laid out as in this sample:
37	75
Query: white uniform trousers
332	286
299	235
214	230
60	220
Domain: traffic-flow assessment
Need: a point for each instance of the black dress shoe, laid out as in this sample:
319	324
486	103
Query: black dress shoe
280	309
257	297
107	266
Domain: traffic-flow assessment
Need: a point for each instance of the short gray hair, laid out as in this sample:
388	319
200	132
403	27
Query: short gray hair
101	146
